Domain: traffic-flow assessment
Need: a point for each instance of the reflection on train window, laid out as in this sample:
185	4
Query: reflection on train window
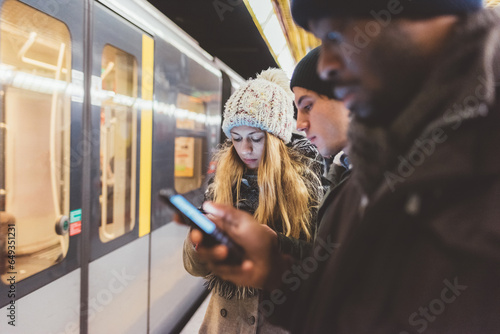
188	163
35	53
191	112
118	143
190	115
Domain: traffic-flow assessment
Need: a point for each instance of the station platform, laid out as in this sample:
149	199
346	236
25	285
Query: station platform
194	323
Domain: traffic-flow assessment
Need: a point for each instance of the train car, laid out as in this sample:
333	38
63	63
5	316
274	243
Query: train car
102	104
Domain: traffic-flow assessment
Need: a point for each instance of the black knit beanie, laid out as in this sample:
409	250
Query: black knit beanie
305	75
304	10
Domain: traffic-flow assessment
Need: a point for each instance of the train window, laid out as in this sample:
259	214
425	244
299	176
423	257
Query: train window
188	163
118	143
35	71
191	112
191	115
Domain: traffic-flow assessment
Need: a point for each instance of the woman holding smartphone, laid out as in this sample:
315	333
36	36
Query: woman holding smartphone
269	172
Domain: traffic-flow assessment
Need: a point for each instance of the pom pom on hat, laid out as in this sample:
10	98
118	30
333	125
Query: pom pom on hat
276	76
265	102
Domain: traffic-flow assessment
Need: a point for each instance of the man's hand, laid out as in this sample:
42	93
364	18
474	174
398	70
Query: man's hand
262	262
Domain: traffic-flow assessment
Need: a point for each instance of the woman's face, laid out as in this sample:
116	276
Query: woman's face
249	143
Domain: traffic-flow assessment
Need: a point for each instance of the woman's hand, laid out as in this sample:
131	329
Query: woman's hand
262	264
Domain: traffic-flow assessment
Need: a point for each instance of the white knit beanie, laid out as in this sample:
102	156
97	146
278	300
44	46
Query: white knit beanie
265	102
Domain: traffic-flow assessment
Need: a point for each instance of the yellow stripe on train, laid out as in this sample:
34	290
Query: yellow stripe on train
146	137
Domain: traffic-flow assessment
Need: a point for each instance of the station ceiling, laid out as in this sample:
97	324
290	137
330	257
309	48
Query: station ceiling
228	33
227	30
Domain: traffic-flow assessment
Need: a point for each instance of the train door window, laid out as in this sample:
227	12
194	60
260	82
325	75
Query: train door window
35	71
118	154
188	163
191	115
191	112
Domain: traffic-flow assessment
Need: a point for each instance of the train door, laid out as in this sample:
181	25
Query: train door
122	90
41	95
187	121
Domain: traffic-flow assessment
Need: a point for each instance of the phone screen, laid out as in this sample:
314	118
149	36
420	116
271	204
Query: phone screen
193	213
213	234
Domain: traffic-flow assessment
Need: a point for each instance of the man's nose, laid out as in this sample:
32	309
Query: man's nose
330	63
302	122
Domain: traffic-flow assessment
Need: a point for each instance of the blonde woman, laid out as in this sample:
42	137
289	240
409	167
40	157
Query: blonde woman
267	171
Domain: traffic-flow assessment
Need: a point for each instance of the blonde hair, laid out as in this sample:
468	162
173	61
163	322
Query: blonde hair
284	197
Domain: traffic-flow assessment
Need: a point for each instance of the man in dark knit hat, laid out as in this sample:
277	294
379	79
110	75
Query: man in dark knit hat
323	118
412	245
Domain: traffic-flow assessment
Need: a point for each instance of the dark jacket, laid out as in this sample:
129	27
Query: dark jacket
420	251
338	173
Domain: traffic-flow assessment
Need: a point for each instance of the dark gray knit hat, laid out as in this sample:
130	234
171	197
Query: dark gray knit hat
304	10
305	75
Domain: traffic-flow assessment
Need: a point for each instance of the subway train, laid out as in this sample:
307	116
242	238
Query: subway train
102	104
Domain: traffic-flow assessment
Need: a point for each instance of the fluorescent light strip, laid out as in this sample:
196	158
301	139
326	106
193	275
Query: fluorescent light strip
39	84
264	15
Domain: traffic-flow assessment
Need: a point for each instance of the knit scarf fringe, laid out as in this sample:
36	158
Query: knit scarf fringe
227	289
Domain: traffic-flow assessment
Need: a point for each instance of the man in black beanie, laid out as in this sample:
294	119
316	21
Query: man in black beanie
321	117
412	245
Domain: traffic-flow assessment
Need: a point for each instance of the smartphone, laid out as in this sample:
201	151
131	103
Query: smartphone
212	235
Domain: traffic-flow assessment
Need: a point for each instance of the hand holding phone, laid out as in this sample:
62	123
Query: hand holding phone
211	233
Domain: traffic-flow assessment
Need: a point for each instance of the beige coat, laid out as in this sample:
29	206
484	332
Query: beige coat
228	316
